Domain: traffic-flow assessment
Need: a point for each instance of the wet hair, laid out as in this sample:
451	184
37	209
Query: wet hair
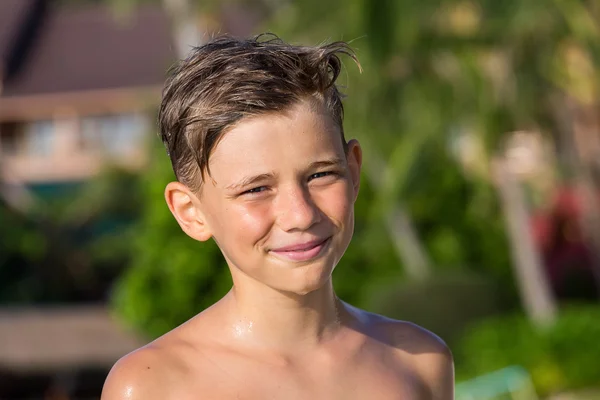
228	79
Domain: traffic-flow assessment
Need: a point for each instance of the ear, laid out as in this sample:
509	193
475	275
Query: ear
185	207
354	158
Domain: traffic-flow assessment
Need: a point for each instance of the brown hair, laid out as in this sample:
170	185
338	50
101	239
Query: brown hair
228	79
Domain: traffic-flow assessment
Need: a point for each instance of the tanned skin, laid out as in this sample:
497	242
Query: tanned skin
279	202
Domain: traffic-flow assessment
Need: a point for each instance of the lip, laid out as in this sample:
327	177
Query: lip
302	251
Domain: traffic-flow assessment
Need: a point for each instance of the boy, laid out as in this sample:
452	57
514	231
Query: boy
254	132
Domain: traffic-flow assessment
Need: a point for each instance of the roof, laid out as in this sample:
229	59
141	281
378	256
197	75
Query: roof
12	15
89	49
58	59
38	339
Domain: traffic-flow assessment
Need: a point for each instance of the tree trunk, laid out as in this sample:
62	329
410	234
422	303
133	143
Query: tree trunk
536	296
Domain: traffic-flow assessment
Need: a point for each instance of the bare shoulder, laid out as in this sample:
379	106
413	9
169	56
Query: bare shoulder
421	350
427	354
137	375
412	338
178	365
151	372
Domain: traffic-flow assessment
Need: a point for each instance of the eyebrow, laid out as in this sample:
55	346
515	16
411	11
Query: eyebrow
247	181
332	162
250	180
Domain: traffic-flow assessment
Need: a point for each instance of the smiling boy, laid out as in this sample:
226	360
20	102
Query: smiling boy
255	136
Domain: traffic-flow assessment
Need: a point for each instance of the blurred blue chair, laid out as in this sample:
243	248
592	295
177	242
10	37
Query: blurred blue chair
512	383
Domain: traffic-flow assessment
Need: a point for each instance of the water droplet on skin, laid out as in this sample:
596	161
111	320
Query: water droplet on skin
242	328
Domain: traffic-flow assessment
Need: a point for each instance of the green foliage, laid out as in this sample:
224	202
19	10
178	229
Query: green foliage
72	241
22	250
458	216
563	357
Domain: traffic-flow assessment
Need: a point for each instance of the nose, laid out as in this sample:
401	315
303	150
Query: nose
296	209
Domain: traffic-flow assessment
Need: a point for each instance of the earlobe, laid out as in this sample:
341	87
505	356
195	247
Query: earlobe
354	163
185	207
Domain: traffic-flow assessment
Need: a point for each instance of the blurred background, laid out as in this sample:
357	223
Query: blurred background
479	213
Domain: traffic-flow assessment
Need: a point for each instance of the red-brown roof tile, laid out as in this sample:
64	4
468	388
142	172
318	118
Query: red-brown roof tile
88	49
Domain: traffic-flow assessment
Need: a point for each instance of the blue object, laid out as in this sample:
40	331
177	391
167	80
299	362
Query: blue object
511	382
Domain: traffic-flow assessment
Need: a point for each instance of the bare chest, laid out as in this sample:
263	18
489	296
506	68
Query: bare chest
367	380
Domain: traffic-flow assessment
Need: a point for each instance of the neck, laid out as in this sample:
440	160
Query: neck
266	318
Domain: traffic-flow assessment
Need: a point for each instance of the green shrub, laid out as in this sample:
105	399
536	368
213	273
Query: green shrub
562	357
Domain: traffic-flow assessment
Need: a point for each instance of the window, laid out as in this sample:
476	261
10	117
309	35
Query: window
113	134
40	138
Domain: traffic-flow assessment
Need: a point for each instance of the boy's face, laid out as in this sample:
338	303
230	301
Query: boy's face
280	203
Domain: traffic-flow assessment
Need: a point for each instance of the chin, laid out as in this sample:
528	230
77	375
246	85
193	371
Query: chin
309	278
304	289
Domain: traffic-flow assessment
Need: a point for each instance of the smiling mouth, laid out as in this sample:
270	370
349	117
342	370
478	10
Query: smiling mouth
305	252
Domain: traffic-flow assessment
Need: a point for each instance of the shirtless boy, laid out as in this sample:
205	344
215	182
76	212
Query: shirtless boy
254	132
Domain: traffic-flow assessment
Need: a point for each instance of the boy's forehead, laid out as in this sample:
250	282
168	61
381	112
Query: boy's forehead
265	131
300	134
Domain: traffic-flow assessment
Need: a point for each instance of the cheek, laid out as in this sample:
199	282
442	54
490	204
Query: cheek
250	222
336	202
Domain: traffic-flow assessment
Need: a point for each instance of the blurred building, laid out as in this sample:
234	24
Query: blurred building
78	90
75	86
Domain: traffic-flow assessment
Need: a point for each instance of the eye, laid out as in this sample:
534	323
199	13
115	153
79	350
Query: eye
255	190
320	175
